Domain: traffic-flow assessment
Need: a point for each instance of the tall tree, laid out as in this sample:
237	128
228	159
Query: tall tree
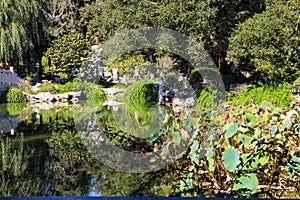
67	54
64	16
22	27
210	22
268	43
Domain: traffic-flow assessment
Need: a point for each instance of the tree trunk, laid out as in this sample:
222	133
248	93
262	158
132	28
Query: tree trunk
219	56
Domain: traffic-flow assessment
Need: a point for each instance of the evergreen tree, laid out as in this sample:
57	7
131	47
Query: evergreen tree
268	43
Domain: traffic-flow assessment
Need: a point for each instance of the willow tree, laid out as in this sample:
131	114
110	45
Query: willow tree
22	28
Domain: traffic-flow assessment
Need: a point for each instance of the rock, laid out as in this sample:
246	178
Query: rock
48	97
56	97
74	100
75	94
44	96
112	103
178	102
63	96
35	89
189	102
112	91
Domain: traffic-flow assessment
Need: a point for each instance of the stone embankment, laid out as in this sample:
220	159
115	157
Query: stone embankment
48	97
113	91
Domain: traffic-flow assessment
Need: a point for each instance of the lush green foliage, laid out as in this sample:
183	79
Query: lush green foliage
22	28
209	22
15	108
278	95
64	16
93	92
56	88
297	81
127	62
141	93
242	147
66	53
15	95
269	42
205	99
195	79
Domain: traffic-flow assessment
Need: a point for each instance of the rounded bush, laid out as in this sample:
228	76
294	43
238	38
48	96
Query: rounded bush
195	79
15	95
141	93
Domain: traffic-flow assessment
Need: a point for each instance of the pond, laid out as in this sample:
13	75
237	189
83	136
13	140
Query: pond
42	154
74	150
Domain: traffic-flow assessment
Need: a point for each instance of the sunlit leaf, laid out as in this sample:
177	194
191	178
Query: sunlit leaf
231	131
247	181
246	140
231	159
210	159
193	153
293	166
188	182
250	162
177	138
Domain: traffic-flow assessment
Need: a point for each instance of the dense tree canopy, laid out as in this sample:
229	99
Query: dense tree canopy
262	35
268	43
67	53
209	22
22	28
65	17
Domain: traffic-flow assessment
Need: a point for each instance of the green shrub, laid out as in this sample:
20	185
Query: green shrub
49	87
142	93
56	88
68	87
278	95
15	95
93	92
15	108
195	79
205	99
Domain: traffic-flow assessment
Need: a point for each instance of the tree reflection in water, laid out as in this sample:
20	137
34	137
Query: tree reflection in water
46	157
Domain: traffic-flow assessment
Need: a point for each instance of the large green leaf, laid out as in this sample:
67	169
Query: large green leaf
188	182
210	159
232	130
251	120
250	162
246	140
247	181
177	138
231	159
194	155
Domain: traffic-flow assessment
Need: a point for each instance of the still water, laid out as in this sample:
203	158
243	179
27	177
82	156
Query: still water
42	154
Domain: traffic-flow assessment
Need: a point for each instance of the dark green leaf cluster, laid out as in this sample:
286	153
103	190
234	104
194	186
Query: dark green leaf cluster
67	53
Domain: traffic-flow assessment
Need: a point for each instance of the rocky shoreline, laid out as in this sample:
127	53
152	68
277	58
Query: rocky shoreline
49	97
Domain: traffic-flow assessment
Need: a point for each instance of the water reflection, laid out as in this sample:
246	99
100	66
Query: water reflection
8	118
45	157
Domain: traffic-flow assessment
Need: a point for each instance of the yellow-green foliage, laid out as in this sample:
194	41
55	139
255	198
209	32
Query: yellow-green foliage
297	81
141	93
277	95
15	95
127	63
